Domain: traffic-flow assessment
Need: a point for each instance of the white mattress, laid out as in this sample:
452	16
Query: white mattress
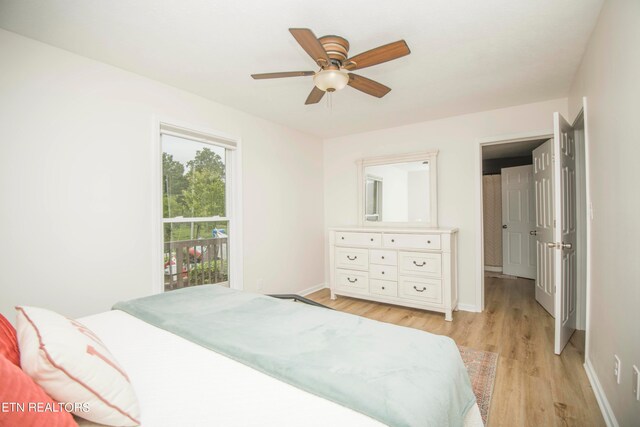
181	383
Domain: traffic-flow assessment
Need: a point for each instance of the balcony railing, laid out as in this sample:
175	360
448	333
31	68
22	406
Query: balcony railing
195	262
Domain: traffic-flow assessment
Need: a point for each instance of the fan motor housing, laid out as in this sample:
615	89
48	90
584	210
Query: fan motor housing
337	47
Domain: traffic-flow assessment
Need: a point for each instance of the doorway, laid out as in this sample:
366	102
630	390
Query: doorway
520	240
509	208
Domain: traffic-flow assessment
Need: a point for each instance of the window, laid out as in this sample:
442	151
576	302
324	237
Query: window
373	198
196	199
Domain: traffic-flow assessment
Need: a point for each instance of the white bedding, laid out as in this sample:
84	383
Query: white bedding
180	383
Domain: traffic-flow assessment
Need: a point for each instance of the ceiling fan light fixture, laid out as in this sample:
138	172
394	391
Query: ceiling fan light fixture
331	54
331	80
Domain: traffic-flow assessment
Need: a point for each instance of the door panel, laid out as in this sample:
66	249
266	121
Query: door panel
544	202
515	248
518	221
565	234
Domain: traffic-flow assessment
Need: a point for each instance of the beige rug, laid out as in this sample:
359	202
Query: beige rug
481	366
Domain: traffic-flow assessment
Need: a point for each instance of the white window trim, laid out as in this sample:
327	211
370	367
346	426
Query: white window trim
233	197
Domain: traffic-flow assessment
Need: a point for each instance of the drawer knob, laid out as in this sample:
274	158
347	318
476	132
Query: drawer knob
393	240
420	265
428	241
372	239
352	259
383	272
383	288
420	290
352	281
382	256
342	237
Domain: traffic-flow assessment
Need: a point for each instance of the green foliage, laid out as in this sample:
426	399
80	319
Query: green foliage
173	184
197	190
174	232
209	272
204	195
206	159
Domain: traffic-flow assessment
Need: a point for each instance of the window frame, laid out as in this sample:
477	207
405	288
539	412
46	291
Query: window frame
233	196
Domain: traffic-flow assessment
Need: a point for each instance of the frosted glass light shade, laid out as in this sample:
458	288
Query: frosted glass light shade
330	80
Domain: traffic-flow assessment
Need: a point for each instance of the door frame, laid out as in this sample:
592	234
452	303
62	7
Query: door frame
585	231
480	143
583	221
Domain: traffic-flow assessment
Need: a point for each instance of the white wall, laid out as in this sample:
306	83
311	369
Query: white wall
456	138
76	178
610	79
417	191
394	191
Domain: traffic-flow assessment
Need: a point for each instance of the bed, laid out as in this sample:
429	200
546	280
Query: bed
179	382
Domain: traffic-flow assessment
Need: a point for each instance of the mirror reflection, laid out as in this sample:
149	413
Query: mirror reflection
397	192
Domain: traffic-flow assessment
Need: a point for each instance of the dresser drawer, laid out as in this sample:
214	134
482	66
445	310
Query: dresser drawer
353	281
377	256
423	264
383	272
422	289
357	259
383	287
369	240
412	241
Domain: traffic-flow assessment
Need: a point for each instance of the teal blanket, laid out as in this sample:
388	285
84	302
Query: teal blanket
399	376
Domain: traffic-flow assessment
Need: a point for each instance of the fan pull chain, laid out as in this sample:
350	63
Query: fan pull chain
330	100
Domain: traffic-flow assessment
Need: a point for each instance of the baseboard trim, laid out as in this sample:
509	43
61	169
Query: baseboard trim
305	292
468	307
603	403
493	269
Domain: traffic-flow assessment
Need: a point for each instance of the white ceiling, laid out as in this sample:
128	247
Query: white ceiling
467	55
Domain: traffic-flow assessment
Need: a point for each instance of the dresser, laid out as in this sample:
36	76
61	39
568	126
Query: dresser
408	267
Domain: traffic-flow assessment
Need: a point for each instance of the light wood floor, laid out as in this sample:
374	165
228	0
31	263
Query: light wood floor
533	386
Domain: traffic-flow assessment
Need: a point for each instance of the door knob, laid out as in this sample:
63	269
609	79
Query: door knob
551	245
533	232
504	225
565	245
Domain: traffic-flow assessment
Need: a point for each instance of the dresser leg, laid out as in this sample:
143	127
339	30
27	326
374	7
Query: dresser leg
447	316
333	296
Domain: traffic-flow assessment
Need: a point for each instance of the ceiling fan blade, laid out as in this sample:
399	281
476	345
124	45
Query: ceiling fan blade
281	75
315	96
381	54
311	45
368	86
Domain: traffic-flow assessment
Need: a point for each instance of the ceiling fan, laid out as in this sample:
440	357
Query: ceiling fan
331	55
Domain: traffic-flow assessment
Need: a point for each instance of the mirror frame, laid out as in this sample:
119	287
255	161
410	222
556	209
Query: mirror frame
431	156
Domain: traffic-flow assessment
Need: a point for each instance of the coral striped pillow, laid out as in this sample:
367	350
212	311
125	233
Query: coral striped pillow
9	341
24	403
71	364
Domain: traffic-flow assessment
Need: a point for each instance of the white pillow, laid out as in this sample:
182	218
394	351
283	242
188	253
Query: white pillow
72	365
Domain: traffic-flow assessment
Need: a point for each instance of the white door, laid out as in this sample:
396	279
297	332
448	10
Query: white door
565	231
518	222
544	225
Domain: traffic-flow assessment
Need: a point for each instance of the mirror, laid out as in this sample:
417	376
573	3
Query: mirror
399	190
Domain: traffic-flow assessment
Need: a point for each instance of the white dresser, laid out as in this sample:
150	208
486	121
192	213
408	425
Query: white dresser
408	267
